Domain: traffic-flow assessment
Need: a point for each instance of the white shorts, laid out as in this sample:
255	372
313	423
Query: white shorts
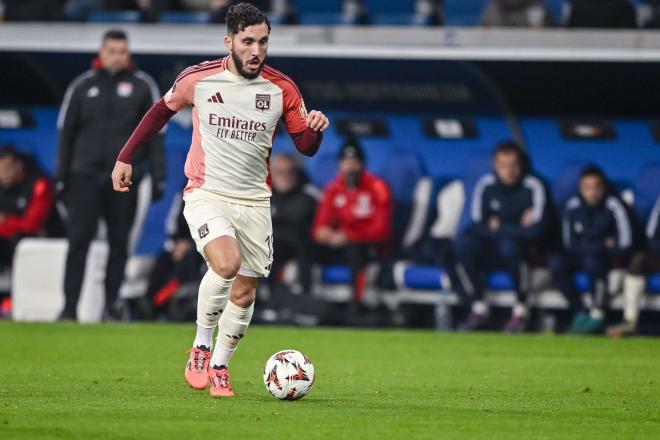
210	216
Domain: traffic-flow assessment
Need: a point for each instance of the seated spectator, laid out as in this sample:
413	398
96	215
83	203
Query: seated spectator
178	263
601	14
352	223
293	205
520	13
596	230
26	199
509	216
642	264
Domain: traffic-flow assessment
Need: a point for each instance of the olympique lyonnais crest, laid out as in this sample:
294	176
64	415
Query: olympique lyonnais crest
262	102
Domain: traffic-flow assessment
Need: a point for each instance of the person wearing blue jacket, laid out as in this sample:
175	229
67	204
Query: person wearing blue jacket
509	215
596	231
642	264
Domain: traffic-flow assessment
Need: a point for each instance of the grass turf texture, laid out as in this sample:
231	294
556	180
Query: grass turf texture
126	381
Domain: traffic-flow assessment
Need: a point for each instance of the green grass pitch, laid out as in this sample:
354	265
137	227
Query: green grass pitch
126	382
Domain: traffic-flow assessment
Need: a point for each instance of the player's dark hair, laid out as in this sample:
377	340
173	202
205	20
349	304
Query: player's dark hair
593	171
508	147
511	146
114	34
243	15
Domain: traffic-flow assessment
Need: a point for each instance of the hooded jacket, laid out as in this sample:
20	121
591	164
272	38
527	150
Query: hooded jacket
363	213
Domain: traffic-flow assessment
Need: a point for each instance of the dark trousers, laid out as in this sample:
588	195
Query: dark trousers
476	255
89	198
596	265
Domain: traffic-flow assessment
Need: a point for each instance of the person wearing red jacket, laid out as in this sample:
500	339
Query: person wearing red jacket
26	199
352	222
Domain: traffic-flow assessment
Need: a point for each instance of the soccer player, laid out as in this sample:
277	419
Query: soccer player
236	104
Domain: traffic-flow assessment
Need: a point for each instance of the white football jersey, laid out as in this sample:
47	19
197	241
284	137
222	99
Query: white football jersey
234	121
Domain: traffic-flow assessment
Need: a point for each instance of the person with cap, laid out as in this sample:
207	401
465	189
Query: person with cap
352	222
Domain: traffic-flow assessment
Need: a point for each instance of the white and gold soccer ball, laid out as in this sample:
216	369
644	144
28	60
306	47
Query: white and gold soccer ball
289	375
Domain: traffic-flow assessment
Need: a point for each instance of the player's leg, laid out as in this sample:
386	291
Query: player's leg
214	236
254	233
232	326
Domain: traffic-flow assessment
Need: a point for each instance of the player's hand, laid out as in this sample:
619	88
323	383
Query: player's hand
317	121
527	218
338	239
121	177
494	223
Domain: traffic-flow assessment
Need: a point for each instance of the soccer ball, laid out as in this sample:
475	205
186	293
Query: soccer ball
289	375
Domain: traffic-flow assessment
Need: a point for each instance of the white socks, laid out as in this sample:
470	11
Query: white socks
231	328
633	290
204	337
212	299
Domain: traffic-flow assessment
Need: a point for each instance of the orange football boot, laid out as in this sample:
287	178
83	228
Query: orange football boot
197	368
220	386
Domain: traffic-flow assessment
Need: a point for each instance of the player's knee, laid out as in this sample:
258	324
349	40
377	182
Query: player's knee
244	297
227	268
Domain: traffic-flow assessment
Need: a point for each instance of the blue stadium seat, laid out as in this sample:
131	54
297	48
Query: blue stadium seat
114	17
620	158
185	17
498	280
582	282
336	274
556	8
462	12
390	6
401	170
647	188
653	283
324	170
423	277
325	6
564	183
327	19
478	165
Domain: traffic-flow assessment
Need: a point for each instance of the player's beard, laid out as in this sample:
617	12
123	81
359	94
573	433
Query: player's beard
239	66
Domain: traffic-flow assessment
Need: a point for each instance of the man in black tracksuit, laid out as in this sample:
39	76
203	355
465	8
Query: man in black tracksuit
509	215
99	111
596	230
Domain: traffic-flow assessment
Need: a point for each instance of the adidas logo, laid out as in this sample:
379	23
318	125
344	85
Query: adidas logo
216	98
